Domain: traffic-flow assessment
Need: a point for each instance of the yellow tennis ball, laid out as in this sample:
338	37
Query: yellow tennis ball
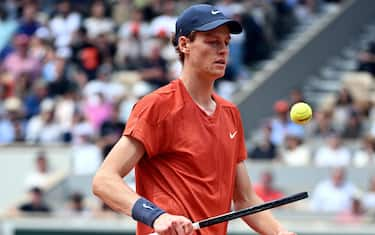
300	113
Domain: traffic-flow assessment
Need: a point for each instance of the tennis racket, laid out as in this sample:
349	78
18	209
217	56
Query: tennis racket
247	211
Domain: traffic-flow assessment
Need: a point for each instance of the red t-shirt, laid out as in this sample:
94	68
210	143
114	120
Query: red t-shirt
191	158
267	194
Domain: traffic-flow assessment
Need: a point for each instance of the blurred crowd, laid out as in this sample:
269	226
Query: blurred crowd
341	135
70	72
341	132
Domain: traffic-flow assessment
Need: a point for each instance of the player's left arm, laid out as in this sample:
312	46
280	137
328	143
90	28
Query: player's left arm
244	196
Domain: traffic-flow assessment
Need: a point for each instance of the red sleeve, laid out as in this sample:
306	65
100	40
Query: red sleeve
242	150
146	125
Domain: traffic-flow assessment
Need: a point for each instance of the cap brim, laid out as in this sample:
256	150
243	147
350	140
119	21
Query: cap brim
234	26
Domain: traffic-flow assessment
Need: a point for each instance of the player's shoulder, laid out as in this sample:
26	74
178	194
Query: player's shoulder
162	95
226	104
158	103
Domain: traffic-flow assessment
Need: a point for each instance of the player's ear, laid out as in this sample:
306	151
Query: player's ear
184	44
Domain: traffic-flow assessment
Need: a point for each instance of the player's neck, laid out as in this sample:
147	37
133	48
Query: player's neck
200	91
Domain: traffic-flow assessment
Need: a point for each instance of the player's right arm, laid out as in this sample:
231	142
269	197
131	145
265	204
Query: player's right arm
109	186
108	183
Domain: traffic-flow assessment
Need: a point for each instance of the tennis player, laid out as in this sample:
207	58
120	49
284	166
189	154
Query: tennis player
186	143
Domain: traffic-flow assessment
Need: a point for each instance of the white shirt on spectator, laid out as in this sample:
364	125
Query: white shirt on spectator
97	26
330	198
300	156
37	179
62	28
328	157
128	28
112	91
163	24
37	131
64	112
362	158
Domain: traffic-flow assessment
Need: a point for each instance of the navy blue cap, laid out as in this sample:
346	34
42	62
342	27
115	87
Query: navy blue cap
203	17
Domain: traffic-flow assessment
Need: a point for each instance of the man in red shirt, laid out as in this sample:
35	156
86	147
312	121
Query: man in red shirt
265	188
186	143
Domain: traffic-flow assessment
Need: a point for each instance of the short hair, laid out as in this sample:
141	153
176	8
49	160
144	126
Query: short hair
76	197
174	40
36	190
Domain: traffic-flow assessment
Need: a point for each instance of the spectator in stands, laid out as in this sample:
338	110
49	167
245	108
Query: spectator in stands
365	156
121	11
66	105
264	149
107	50
85	54
355	214
366	59
98	23
97	109
343	107
111	130
81	127
332	153
34	98
132	37
321	126
334	194
7	27
76	206
265	187
285	19
353	127
40	176
20	61
154	67
163	24
295	96
111	90
306	10
256	46
28	24
43	128
15	113
294	152
281	123
369	197
36	203
64	23
7	129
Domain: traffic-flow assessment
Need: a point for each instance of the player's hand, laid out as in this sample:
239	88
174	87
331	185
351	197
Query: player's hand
167	224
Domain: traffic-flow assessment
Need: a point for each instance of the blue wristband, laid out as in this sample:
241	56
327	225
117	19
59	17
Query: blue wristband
146	212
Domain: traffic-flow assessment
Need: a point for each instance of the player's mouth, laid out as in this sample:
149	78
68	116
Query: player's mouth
220	61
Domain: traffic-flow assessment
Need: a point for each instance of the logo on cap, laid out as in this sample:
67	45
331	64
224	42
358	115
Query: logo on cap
214	12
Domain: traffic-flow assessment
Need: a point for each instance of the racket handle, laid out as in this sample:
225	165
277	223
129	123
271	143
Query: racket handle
195	227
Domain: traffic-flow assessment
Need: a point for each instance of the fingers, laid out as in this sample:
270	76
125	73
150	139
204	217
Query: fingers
168	224
187	226
178	228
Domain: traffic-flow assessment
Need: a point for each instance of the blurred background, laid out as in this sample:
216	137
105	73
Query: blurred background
70	72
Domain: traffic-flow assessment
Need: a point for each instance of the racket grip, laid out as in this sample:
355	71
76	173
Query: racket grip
195	227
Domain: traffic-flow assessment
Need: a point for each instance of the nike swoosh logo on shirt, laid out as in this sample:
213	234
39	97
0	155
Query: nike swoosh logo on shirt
214	12
232	135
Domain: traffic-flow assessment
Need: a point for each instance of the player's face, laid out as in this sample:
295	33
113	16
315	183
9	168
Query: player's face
209	51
